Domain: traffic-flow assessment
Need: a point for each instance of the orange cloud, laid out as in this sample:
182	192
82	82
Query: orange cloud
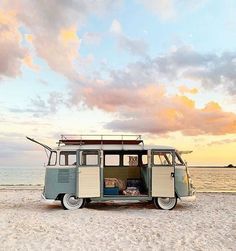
212	106
151	109
185	101
184	89
69	35
29	38
29	62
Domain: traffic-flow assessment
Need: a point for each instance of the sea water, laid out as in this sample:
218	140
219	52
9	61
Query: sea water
204	179
214	179
19	176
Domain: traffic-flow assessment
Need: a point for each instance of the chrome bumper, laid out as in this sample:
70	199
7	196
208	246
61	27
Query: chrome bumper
188	198
48	201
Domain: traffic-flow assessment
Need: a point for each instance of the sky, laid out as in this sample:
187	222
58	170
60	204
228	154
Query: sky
164	69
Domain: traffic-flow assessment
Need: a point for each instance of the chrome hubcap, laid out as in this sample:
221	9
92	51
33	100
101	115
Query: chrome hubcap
73	201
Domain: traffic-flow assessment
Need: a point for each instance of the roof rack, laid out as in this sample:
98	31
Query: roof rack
96	139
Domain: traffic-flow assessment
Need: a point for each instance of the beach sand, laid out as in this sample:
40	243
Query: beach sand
28	224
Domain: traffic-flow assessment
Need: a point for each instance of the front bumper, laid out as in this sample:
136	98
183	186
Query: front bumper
188	198
191	197
48	201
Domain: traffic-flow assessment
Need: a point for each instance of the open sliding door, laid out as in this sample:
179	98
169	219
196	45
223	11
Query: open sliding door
163	182
88	175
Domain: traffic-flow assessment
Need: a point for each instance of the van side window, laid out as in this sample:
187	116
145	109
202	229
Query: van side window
162	159
112	160
130	160
89	158
144	159
53	159
67	158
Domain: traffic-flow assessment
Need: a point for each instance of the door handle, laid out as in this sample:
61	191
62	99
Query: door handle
172	175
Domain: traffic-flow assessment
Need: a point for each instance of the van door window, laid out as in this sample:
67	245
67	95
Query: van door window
162	159
89	158
67	158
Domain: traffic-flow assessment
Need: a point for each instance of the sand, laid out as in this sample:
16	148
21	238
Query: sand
28	224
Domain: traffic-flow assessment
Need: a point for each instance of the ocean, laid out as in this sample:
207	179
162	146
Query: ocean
204	179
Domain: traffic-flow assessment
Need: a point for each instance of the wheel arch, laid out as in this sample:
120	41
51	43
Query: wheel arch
60	196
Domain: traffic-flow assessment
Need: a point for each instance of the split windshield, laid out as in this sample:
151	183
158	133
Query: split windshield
162	159
52	159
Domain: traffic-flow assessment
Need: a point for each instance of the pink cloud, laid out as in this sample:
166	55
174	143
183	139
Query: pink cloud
151	109
53	27
12	53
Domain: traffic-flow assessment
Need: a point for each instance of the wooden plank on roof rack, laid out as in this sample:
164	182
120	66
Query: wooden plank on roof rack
99	142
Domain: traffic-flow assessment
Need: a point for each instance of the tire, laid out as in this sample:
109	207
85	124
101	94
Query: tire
88	200
69	202
165	203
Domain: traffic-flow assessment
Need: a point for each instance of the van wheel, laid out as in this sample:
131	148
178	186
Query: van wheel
165	203
70	202
88	200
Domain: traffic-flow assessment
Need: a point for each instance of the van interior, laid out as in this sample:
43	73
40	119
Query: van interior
125	173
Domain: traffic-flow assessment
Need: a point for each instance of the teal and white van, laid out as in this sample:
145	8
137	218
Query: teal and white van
84	168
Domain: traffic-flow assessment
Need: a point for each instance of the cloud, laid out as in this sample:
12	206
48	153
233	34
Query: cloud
222	142
170	9
150	109
137	95
211	70
91	38
17	147
53	27
12	53
133	46
29	62
39	107
165	9
184	89
116	27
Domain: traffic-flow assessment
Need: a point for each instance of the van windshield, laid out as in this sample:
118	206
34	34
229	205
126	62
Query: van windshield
162	158
178	159
52	159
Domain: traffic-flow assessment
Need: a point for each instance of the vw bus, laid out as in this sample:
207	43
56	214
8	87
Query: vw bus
84	168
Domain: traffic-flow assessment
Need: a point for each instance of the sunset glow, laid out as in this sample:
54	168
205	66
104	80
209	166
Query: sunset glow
163	69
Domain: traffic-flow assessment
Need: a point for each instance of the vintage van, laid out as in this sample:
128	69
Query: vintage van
84	168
